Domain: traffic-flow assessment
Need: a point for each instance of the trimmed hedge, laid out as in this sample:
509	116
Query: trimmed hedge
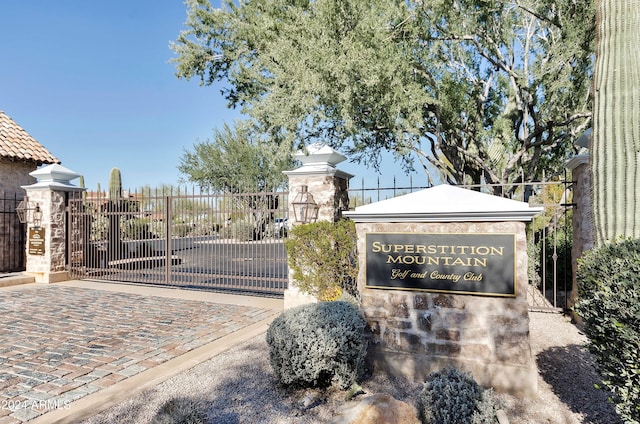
318	345
609	304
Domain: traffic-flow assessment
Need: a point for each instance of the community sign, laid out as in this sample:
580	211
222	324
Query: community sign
459	263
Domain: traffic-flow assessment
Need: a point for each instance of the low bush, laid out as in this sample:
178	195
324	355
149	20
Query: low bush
318	345
136	229
205	228
158	229
99	228
324	259
181	229
180	411
240	230
451	396
609	304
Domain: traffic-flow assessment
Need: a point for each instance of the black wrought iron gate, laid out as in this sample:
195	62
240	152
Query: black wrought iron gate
205	241
12	234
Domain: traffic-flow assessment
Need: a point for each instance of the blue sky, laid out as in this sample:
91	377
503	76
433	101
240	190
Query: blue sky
92	82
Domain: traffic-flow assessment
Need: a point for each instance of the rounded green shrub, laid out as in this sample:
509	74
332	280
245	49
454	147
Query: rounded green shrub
609	304
318	345
451	396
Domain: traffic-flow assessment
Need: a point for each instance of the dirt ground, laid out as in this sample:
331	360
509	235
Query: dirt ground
238	386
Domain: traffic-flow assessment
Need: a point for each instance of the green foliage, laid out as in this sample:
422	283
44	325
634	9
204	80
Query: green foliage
99	228
181	229
180	411
237	161
551	236
451	396
434	81
319	344
207	227
239	230
323	257
542	249
609	304
158	229
115	184
135	229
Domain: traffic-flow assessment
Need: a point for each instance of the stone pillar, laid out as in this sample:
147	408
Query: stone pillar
582	217
50	193
443	281
328	185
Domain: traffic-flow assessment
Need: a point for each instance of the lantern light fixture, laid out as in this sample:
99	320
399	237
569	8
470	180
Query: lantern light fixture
305	208
29	212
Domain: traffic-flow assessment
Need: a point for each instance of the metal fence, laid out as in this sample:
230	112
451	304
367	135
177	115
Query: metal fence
231	242
549	234
12	234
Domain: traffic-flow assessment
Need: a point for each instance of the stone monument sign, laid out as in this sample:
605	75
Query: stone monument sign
443	281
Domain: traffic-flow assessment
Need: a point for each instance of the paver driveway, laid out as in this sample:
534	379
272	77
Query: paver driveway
62	342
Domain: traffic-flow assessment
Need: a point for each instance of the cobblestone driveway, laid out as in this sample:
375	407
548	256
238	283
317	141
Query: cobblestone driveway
59	344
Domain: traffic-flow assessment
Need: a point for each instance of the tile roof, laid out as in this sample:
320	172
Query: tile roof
17	144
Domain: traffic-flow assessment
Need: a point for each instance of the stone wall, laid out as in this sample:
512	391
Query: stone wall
328	191
415	333
14	175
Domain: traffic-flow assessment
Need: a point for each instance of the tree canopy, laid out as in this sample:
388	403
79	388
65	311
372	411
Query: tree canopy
480	90
237	160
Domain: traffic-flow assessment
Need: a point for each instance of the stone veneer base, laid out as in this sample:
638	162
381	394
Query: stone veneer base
521	381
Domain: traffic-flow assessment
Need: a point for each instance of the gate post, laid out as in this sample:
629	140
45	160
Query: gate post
47	241
329	187
582	218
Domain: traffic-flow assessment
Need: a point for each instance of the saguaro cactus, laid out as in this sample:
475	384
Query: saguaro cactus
615	147
115	184
114	207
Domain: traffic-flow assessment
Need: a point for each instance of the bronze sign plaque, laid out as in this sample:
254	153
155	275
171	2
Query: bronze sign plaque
460	263
36	241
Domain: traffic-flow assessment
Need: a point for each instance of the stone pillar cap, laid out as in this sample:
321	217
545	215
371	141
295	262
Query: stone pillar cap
320	153
54	176
319	159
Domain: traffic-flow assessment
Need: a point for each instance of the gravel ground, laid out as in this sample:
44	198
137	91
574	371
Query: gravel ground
238	386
